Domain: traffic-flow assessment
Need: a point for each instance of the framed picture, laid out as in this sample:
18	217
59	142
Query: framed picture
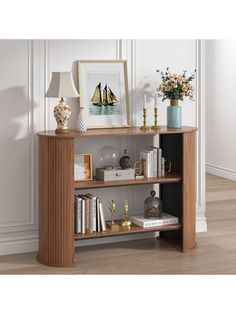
103	90
83	167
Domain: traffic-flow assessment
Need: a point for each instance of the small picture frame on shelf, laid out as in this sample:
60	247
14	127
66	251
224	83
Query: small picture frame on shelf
103	89
83	167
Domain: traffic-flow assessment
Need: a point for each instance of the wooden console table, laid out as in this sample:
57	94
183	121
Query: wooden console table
57	186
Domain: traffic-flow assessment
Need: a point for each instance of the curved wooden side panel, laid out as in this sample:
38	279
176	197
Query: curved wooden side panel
189	191
56	201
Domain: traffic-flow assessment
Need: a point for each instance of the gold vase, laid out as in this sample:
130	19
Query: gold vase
174	102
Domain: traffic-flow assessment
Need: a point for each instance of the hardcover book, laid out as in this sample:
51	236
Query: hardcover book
78	203
148	157
166	219
92	212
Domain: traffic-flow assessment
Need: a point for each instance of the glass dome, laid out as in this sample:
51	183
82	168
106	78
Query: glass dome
107	157
153	206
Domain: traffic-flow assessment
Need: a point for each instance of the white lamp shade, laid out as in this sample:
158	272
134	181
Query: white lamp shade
62	85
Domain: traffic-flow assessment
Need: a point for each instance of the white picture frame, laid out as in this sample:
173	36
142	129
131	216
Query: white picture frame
103	89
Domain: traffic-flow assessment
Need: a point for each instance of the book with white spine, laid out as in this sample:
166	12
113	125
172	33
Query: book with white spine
162	166
159	158
78	204
92	212
83	216
147	155
154	150
166	219
102	218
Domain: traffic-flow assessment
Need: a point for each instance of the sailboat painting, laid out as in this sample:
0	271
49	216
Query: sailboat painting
104	94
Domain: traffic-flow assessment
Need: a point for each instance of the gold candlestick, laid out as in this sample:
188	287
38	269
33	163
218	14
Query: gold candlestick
144	127
155	126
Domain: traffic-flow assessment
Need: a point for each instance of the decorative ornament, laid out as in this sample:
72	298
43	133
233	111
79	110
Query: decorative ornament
126	223
153	206
138	168
112	224
81	125
107	157
125	161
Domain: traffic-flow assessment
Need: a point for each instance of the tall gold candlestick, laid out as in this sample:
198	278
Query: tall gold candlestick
155	126
145	127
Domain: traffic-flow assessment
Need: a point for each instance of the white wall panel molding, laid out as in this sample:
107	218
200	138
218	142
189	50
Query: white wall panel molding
47	76
200	123
27	220
118	49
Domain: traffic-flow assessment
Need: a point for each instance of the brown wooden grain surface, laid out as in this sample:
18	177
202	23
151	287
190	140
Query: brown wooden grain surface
133	229
189	191
168	178
56	201
133	131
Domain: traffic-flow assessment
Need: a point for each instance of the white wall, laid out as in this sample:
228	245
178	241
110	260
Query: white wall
221	108
26	68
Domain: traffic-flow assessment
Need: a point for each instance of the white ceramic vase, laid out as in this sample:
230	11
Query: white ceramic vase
81	124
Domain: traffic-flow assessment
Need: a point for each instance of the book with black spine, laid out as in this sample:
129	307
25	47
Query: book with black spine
98	222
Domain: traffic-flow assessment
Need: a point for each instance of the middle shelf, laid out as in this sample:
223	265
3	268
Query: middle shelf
168	178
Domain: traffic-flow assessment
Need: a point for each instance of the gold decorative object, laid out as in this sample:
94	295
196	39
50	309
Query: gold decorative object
145	127
155	126
138	168
126	223
112	224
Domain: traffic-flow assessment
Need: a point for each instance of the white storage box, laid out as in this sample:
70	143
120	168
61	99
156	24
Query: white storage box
114	174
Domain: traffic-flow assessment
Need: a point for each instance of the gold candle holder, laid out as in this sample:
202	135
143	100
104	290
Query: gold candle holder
145	127
155	126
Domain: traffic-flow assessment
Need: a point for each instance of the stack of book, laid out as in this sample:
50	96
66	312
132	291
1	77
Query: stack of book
153	162
89	215
166	219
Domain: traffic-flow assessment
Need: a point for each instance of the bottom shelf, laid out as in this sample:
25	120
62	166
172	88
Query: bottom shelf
133	229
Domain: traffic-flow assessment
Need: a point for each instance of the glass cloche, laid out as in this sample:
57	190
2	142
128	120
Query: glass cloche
153	206
107	157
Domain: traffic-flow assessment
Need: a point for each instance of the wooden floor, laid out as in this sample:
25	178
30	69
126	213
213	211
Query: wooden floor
216	253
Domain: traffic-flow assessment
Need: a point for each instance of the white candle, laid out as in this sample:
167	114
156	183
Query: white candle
155	101
145	101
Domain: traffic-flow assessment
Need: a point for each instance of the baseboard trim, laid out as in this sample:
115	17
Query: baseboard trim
26	245
221	172
115	239
201	225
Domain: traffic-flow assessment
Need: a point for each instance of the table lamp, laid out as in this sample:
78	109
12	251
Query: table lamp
62	85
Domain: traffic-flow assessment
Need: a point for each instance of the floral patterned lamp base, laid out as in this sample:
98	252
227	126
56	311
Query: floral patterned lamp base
81	125
62	113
